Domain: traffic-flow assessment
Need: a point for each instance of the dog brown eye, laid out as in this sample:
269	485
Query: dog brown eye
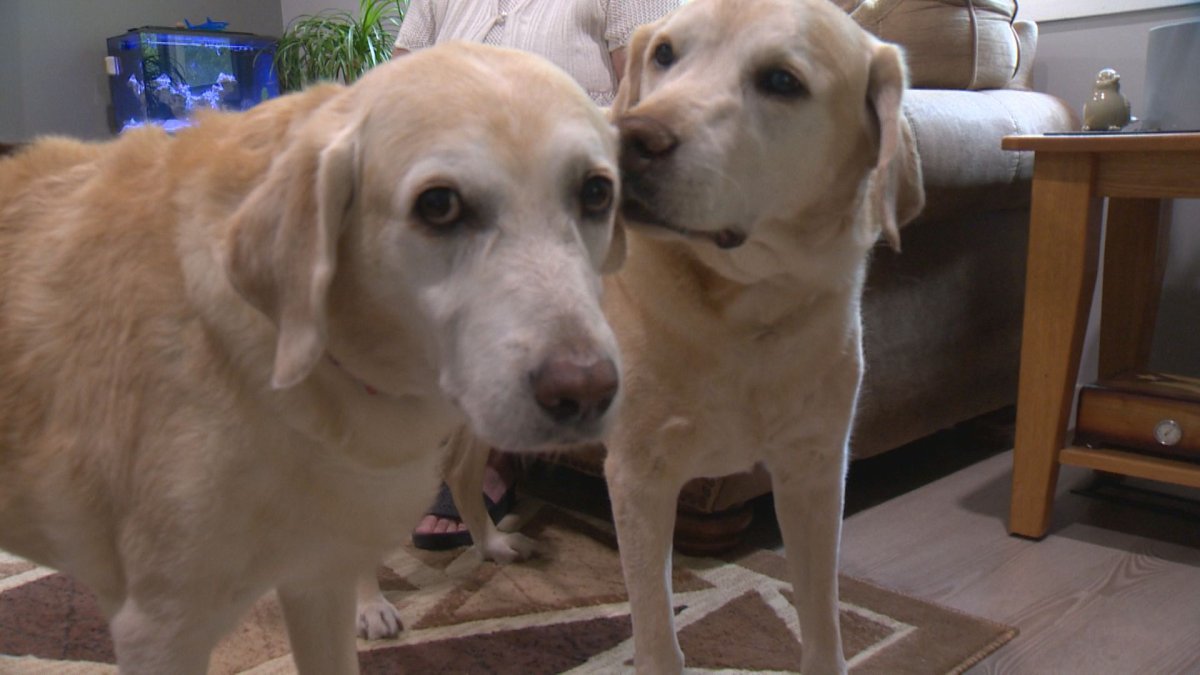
596	196
439	206
780	82
664	54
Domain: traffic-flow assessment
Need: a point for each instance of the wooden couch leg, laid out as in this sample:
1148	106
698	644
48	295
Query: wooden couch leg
709	534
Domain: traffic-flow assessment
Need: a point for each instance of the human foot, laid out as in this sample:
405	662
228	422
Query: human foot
442	527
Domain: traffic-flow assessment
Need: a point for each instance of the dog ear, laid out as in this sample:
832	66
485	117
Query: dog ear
630	90
281	250
897	191
615	257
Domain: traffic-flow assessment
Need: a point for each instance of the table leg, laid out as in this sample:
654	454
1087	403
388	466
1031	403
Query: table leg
1135	257
1064	239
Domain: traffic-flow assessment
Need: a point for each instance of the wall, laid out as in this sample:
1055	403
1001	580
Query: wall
295	8
1053	10
1070	53
53	79
10	75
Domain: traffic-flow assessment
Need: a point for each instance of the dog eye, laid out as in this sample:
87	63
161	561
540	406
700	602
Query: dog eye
782	83
664	54
596	196
439	206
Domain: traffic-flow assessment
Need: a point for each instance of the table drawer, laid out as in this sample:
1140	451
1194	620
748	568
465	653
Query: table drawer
1140	418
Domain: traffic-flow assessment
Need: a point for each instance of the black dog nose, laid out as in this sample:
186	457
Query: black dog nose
572	389
644	140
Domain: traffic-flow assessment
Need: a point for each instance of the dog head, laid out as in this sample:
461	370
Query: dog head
758	129
444	220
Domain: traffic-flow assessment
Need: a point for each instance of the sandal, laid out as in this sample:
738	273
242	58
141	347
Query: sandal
443	507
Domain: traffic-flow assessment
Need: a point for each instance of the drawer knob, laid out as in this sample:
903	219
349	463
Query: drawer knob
1167	432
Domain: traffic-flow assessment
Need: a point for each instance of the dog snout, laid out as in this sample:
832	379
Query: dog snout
572	388
643	141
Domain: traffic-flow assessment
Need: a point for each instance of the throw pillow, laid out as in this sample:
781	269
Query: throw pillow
950	44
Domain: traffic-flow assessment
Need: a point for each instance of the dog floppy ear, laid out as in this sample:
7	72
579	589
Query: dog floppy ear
281	251
630	90
897	191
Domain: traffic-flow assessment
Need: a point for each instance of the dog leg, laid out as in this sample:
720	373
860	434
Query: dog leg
808	506
320	623
157	639
644	515
378	618
466	460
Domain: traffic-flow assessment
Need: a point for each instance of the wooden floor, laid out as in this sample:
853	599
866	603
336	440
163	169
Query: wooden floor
1114	587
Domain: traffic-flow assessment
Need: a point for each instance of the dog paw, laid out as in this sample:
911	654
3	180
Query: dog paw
378	620
508	547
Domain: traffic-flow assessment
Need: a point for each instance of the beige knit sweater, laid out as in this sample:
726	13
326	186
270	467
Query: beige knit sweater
578	35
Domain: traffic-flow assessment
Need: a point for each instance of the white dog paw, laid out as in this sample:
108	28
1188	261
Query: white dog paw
378	620
507	547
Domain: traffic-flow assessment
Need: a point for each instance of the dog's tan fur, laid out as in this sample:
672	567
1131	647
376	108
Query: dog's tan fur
227	358
752	354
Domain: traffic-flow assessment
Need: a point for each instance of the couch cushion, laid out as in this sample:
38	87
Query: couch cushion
951	44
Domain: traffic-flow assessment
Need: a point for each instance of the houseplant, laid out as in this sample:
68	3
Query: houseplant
336	44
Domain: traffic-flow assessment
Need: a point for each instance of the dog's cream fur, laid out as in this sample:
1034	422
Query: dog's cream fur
227	358
735	356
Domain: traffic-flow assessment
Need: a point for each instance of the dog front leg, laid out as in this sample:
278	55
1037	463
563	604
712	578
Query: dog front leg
466	461
378	618
163	637
319	614
644	515
808	506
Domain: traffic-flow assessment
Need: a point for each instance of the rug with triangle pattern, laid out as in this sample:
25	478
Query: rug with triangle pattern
564	611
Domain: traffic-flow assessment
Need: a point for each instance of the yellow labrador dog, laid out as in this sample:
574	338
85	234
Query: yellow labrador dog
764	154
227	357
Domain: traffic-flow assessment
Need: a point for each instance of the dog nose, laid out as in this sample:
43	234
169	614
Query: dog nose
572	389
644	140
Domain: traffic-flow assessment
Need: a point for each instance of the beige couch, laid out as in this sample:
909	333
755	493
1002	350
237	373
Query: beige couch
942	318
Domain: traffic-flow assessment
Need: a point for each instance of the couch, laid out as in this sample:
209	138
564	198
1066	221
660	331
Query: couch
942	318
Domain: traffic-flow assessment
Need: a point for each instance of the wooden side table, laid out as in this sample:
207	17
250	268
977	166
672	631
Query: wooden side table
1072	175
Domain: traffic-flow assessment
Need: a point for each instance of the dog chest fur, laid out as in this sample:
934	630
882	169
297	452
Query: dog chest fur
701	343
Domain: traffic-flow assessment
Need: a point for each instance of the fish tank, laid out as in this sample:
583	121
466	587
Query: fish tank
164	76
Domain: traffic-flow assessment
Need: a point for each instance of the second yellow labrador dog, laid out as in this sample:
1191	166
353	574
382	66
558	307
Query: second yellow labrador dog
227	358
764	154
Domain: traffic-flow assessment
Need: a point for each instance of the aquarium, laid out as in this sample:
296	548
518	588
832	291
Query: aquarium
165	75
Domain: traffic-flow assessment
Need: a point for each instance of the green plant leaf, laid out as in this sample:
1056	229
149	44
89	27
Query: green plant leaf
337	45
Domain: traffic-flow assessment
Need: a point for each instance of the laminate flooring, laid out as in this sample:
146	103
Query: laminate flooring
1113	588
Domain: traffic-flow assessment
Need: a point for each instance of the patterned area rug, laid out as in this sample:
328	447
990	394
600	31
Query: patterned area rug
562	612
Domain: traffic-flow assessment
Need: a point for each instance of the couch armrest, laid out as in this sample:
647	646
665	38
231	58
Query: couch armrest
958	137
